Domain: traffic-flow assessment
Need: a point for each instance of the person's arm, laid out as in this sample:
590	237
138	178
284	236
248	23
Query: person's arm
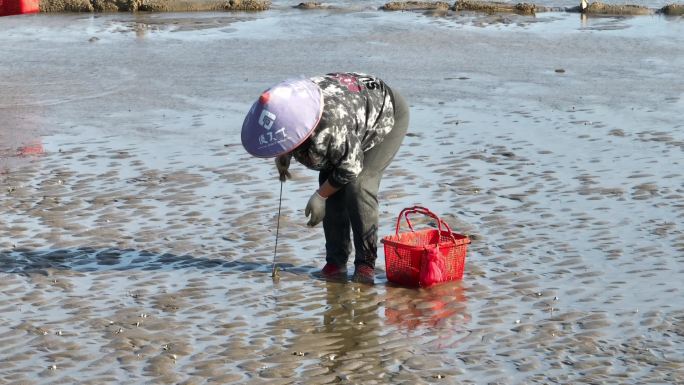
315	208
327	189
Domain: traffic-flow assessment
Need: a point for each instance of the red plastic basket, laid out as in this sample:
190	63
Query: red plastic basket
404	251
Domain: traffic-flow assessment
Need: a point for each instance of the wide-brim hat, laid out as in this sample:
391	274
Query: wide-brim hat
282	118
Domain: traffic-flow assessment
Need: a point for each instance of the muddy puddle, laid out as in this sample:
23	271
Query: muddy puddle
136	244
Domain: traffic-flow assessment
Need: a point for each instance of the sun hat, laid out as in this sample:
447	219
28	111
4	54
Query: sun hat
282	118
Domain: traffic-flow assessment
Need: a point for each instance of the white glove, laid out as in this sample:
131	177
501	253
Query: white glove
315	207
282	164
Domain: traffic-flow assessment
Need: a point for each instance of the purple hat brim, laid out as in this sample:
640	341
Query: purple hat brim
282	118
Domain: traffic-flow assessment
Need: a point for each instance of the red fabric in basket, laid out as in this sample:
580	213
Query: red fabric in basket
433	268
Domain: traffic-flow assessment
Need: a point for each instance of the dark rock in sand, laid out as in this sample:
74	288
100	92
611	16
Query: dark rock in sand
415	5
66	6
673	10
598	8
180	6
152	5
312	5
495	7
104	6
247	5
231	5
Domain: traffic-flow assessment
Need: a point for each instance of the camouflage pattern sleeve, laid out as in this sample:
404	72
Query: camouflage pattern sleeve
350	163
357	114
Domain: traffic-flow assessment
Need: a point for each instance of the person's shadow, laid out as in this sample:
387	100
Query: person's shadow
90	259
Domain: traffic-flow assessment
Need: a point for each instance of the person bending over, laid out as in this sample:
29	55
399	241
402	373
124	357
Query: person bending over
348	126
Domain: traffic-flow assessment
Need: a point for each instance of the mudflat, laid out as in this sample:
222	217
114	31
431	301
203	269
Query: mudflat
136	235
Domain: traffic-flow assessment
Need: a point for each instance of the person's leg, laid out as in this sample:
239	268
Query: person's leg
336	229
361	195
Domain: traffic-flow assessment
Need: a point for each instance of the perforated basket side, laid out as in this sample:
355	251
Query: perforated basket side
403	253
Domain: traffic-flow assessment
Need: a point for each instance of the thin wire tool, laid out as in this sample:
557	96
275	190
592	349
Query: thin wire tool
274	267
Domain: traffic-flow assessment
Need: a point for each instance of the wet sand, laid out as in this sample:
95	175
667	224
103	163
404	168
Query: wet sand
137	248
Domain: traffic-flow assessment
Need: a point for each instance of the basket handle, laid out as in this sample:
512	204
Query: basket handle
422	210
440	221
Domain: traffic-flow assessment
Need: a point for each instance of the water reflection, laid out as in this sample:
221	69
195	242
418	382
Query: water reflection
361	328
352	314
435	307
20	140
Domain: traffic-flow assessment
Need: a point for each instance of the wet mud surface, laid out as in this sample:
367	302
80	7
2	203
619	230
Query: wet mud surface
136	235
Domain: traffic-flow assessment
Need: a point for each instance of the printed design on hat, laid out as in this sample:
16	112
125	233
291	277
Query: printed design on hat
266	119
282	118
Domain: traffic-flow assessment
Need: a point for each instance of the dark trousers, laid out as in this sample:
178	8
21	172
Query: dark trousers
355	205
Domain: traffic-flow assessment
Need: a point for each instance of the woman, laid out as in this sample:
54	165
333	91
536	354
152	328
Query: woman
347	126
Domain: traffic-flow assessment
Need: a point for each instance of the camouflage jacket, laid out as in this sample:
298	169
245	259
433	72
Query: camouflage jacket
358	113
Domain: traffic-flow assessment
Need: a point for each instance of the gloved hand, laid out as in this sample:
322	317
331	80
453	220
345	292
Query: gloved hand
315	207
282	164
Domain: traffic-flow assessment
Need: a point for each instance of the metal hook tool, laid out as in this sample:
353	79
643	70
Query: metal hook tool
274	268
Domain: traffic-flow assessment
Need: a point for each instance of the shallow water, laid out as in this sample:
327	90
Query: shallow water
137	248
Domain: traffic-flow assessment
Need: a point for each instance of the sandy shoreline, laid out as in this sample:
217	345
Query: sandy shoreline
137	247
